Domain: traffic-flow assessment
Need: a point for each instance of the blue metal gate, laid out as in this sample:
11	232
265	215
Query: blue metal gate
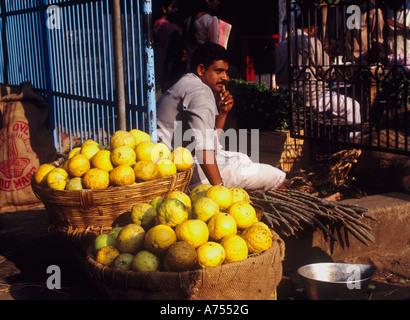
92	60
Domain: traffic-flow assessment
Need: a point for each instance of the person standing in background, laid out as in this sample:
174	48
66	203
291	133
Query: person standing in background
203	25
168	46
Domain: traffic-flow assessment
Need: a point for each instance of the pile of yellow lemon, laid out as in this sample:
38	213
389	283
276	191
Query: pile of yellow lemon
131	157
211	226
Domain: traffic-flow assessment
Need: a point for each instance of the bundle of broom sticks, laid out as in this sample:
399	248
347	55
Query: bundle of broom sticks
290	211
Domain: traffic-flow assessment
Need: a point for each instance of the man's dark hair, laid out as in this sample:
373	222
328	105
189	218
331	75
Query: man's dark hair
207	54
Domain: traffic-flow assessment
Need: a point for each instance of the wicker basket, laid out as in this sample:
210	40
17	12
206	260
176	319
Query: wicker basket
255	278
81	212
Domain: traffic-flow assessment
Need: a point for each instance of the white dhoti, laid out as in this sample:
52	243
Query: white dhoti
238	170
340	106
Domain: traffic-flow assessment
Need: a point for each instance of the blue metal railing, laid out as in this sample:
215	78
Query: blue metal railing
65	49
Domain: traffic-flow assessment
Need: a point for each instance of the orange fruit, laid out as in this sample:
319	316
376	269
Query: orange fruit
172	212
130	239
106	255
146	170
182	158
220	225
122	175
122	138
183	197
78	165
143	214
193	231
199	191
239	194
159	238
140	136
221	195
73	152
57	179
235	247
204	208
244	214
123	155
257	237
89	150
96	179
210	254
144	151
160	151
102	160
40	175
166	168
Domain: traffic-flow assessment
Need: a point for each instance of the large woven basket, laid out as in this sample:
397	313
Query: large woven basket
255	278
83	212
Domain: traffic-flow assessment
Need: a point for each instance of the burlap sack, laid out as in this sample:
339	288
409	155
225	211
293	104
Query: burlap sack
25	143
255	278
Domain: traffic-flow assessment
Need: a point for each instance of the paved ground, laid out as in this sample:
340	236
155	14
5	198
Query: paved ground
27	249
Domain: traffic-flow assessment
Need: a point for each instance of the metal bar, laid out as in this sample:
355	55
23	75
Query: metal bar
4	42
119	64
150	70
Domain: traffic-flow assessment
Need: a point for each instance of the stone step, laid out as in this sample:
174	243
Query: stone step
390	251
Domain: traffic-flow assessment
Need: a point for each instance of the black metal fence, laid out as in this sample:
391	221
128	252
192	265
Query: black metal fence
348	65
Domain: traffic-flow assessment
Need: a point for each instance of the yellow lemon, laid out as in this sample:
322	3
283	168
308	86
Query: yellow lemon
193	231
122	138
172	212
57	179
160	151
89	142
143	214
220	225
89	150
143	151
166	168
106	255
210	254
146	171
40	175
123	155
262	224
182	158
78	165
96	179
199	191
102	160
183	197
204	208
122	175
73	152
140	136
239	194
244	214
221	195
159	238
235	247
257	237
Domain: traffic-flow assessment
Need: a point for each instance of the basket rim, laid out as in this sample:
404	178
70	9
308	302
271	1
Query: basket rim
90	257
138	185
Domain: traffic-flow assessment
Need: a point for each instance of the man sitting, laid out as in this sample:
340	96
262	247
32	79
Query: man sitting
196	107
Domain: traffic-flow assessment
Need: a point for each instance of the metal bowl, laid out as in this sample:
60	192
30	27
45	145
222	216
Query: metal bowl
336	281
